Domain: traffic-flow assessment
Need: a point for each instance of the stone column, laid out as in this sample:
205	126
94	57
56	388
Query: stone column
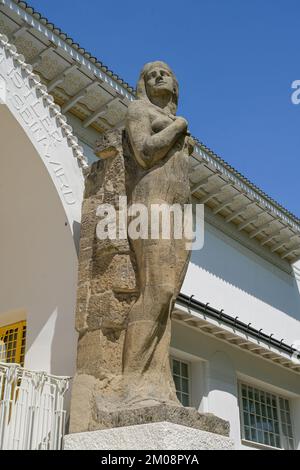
106	290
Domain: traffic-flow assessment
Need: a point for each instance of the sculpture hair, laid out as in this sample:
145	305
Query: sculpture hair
141	91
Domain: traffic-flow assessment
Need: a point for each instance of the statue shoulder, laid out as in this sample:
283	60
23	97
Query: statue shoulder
137	109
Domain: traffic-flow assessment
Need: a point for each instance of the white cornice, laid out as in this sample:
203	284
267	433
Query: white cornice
71	51
201	153
48	99
254	195
222	332
240	237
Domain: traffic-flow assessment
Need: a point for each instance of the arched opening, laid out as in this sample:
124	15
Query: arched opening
38	258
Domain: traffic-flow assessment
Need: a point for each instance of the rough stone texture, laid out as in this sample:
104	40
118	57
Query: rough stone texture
157	169
184	416
106	288
155	436
127	287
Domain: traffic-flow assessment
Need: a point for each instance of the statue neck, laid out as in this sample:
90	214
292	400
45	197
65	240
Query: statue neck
163	102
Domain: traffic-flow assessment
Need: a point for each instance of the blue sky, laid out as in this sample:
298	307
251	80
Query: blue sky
235	61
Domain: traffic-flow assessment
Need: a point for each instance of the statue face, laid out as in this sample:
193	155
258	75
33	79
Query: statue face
159	81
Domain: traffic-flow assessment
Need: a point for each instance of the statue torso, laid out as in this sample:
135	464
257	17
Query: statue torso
168	180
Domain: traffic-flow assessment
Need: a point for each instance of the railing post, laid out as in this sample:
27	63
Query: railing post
32	414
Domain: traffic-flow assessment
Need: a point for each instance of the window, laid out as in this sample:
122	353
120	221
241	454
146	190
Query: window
181	376
12	343
265	418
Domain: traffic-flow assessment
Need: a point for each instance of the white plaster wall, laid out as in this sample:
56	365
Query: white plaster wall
41	189
228	275
38	258
231	277
217	391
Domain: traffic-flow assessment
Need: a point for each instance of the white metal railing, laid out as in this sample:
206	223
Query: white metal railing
32	414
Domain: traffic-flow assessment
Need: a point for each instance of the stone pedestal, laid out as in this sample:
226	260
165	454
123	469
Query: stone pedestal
153	436
184	416
156	427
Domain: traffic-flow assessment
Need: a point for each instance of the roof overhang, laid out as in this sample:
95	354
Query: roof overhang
83	87
188	314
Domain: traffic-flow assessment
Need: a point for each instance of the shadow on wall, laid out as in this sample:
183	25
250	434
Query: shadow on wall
236	266
38	270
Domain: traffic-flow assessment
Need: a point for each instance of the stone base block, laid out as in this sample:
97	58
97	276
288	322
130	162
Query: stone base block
152	436
176	414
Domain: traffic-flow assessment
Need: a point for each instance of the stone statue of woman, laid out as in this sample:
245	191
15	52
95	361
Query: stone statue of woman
160	145
127	287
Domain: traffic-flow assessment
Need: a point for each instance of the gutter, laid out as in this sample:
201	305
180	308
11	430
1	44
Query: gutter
236	324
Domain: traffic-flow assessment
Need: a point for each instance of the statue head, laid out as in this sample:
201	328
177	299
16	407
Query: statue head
157	80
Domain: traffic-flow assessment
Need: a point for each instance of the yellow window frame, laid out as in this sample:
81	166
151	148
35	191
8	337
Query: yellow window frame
13	342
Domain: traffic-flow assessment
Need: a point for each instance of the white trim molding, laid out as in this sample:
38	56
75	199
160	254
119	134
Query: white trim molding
47	129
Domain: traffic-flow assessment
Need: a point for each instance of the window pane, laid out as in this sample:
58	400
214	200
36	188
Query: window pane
278	441
260	437
290	431
185	385
275	414
184	370
253	434
281	403
266	439
181	379
257	408
259	423
252	406
246	419
284	429
177	383
247	433
261	413
185	400
245	404
10	341
287	406
176	367
270	425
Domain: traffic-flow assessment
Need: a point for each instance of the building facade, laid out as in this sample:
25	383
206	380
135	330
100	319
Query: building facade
236	323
